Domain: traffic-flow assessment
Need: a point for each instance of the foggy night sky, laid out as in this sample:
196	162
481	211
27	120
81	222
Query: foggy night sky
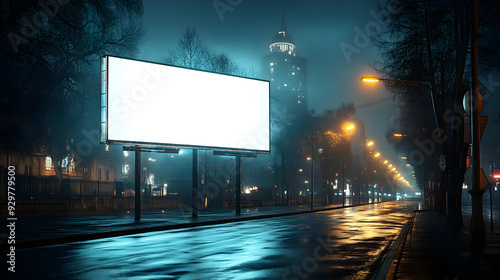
317	27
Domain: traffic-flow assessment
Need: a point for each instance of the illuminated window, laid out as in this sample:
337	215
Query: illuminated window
64	163
271	64
285	85
125	168
48	163
293	73
71	166
299	102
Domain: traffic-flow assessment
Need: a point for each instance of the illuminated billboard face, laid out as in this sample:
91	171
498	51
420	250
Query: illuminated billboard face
144	103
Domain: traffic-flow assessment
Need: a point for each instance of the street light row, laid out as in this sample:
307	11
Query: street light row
390	167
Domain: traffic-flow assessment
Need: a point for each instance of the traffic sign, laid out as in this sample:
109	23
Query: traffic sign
466	102
484	182
483	120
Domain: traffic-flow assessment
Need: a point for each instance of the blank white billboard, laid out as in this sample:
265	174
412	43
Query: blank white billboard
144	103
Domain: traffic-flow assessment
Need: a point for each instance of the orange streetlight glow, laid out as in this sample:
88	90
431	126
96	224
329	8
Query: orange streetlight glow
370	79
369	143
398	135
349	127
377	155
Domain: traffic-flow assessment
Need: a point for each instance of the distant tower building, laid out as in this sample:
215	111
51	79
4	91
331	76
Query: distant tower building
287	72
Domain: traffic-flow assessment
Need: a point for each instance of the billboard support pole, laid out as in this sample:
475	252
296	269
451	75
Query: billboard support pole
238	156
195	184
138	150
238	185
137	184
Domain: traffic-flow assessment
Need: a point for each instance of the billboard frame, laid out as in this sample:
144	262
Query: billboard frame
104	108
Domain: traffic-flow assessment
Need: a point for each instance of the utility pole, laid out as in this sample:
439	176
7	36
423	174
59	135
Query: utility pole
312	176
478	233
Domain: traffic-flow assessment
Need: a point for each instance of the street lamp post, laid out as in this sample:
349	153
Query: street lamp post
376	80
312	179
478	233
343	184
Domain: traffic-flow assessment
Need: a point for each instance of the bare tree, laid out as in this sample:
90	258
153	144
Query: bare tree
50	67
190	52
429	41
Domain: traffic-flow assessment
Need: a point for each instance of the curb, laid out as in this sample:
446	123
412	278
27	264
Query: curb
390	262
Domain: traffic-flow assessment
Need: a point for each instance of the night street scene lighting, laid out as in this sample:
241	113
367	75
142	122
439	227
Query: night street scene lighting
233	139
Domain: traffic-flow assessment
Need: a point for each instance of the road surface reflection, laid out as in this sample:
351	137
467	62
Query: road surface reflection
337	244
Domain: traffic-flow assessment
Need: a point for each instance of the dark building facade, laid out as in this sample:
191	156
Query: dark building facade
287	72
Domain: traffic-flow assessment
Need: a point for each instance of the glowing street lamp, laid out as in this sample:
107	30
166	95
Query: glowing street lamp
370	143
349	127
370	79
377	155
376	80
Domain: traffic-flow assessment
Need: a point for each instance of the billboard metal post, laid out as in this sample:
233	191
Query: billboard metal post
137	184
238	156
195	183
138	150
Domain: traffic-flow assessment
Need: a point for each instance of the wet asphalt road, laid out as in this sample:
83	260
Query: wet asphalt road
337	244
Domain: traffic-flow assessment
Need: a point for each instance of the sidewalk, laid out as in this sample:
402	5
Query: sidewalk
433	251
